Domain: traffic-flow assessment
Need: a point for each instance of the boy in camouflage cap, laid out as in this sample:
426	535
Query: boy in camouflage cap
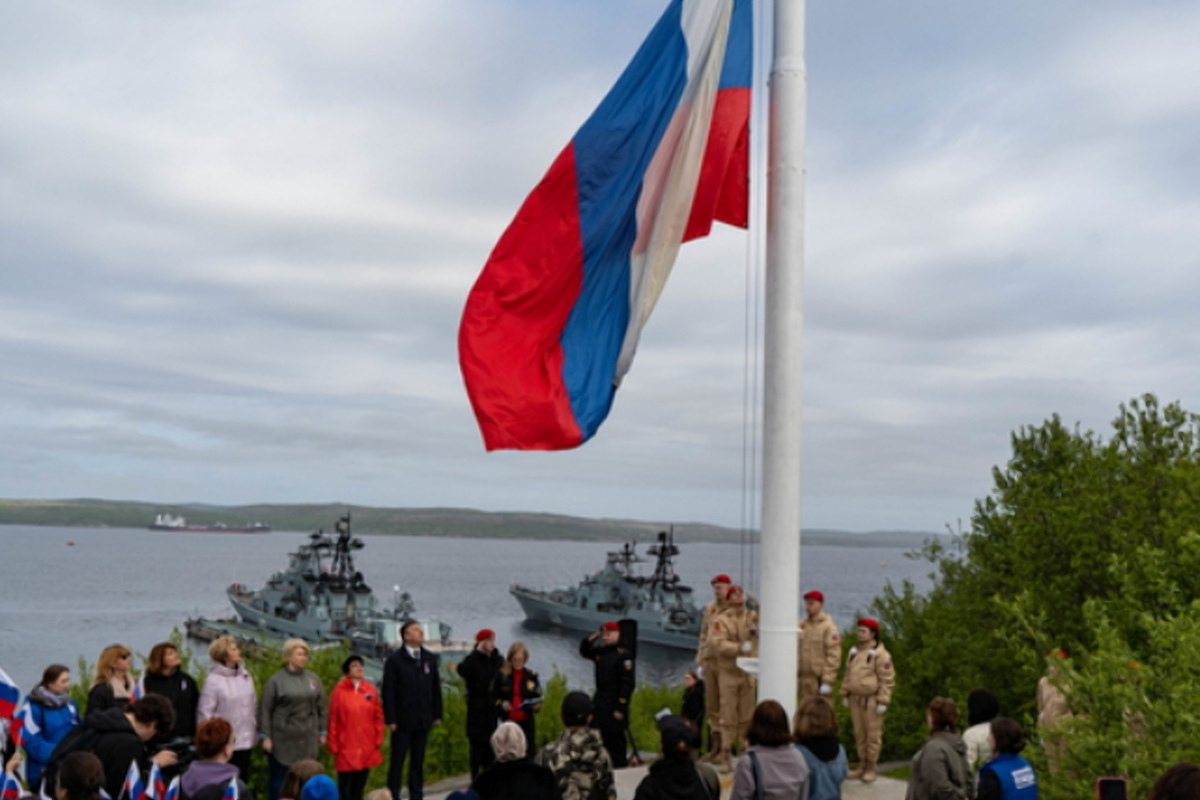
577	757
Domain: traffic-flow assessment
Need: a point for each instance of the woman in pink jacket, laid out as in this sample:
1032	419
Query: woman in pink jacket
229	693
355	729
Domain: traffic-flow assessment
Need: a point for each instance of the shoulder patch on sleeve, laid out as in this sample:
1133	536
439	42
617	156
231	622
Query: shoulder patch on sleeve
887	664
835	638
628	663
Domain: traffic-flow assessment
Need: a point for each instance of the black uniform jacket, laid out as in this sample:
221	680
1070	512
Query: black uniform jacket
412	690
181	690
614	682
478	671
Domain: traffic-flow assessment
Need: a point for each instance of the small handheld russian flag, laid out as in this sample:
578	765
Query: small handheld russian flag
9	695
23	725
139	690
12	787
231	791
173	789
156	787
133	788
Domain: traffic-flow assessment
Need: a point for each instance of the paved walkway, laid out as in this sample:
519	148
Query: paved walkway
628	779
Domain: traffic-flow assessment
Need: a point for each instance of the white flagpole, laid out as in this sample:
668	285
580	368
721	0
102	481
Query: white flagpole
782	354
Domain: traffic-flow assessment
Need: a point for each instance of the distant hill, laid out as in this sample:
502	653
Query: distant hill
463	522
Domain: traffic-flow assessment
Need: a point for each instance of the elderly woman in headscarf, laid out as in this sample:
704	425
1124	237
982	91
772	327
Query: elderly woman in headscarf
514	776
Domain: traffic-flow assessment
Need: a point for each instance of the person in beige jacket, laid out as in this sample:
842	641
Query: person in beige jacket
867	690
706	657
819	649
734	635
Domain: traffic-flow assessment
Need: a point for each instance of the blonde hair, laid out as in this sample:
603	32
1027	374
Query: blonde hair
508	742
513	649
219	649
291	645
104	665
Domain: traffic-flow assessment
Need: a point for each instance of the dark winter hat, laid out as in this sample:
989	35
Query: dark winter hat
576	708
867	622
675	733
319	787
349	662
982	706
814	595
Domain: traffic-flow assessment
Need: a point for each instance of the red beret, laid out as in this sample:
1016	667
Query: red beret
722	578
735	589
485	633
814	595
610	626
867	622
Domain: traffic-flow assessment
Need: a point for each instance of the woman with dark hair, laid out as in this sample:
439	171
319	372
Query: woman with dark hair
517	693
939	769
163	676
1180	782
112	685
80	777
1008	776
815	730
355	729
208	778
982	708
298	775
52	715
229	693
770	768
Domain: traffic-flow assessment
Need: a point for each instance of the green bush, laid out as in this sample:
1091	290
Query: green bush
1085	544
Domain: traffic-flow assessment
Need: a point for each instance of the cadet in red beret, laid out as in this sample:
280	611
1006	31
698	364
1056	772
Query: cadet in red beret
820	649
706	658
867	689
478	670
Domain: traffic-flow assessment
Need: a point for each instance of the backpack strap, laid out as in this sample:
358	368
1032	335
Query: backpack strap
758	787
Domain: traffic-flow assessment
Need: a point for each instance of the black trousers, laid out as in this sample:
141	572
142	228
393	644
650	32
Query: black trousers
404	742
241	760
352	784
481	755
614	743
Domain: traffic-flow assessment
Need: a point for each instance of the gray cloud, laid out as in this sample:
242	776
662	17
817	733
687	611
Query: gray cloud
235	241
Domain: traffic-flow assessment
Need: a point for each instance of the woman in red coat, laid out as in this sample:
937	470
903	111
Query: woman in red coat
355	729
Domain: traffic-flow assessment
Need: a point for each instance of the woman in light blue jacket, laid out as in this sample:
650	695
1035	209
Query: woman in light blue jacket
51	716
815	729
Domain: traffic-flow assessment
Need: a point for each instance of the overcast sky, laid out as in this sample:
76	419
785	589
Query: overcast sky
235	241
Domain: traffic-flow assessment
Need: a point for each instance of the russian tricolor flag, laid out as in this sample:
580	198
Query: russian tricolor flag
552	323
231	791
173	789
24	725
133	788
11	789
10	694
156	787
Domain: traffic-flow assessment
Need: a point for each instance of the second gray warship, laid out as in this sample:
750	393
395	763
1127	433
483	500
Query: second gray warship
320	597
664	608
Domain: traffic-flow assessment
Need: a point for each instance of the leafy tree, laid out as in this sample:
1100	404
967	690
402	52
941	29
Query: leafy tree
1085	544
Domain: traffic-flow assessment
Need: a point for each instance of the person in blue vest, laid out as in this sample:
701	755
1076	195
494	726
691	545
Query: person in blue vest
1007	776
51	716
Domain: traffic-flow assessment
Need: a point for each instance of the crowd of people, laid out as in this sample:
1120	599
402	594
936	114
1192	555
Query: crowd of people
202	738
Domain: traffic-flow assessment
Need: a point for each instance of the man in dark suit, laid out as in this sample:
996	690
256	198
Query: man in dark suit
412	705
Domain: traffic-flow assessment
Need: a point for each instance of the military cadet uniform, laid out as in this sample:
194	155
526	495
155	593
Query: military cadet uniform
706	658
820	654
867	687
733	634
581	764
614	686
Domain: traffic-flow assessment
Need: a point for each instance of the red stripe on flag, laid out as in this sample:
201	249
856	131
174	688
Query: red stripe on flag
723	191
509	341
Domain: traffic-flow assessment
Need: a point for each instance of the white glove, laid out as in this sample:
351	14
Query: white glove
880	709
746	647
825	689
846	702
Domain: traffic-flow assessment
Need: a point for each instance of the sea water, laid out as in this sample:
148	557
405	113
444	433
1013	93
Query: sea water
59	601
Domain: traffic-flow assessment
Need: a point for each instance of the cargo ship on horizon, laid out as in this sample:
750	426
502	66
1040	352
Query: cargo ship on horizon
169	522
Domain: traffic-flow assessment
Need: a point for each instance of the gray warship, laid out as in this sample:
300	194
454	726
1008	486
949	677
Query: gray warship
664	608
321	597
